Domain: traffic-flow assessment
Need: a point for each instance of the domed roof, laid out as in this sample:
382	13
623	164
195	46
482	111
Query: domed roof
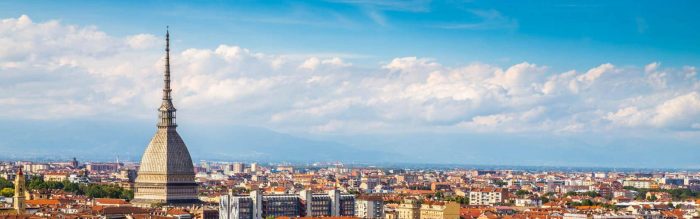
166	154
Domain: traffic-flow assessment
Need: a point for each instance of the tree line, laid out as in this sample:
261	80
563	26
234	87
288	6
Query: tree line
89	190
676	194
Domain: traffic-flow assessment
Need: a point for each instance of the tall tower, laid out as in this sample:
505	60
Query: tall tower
20	189
166	173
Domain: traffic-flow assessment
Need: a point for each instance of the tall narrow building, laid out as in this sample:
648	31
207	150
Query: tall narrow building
166	173
20	190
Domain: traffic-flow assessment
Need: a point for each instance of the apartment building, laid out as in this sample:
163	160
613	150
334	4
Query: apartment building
369	207
258	206
409	209
641	184
486	196
439	210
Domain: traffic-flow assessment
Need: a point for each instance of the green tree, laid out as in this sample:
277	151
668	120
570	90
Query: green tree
106	191
438	195
72	187
36	182
4	183
587	202
592	194
127	194
7	192
499	182
652	198
54	185
95	191
521	193
458	199
610	206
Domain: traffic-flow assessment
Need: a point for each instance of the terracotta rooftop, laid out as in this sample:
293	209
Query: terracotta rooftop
176	211
318	217
111	201
124	210
43	202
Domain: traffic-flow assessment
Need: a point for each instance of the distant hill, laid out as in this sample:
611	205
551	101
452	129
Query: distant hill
107	140
93	140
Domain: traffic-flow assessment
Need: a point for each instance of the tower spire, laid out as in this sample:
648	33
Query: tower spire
167	110
166	88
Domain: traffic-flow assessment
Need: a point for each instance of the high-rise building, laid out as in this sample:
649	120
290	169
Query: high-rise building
19	192
258	206
238	167
74	163
166	173
370	207
253	167
235	168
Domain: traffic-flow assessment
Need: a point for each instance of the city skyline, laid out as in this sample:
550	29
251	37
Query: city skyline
356	81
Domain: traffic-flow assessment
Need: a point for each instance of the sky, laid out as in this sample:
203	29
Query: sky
577	83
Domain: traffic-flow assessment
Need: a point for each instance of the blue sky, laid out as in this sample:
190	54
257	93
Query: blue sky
614	82
564	34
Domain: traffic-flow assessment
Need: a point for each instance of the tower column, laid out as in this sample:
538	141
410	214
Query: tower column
20	190
166	173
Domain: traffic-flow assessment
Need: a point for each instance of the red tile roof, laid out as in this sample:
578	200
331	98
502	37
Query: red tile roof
111	201
42	202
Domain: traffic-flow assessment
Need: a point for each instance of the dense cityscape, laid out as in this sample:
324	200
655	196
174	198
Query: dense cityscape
73	189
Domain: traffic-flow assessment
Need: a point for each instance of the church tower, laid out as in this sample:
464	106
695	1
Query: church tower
166	173
20	190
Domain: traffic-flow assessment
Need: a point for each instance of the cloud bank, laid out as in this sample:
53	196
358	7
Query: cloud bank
50	70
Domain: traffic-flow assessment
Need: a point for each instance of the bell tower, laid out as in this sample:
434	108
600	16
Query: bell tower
20	190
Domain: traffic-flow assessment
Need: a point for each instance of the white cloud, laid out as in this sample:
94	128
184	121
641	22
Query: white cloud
679	112
142	41
313	63
411	64
651	67
596	72
73	71
628	116
335	61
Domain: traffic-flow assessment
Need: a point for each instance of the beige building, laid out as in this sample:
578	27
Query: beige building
56	177
102	167
641	184
238	167
391	213
409	209
282	168
36	167
442	210
20	193
254	167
